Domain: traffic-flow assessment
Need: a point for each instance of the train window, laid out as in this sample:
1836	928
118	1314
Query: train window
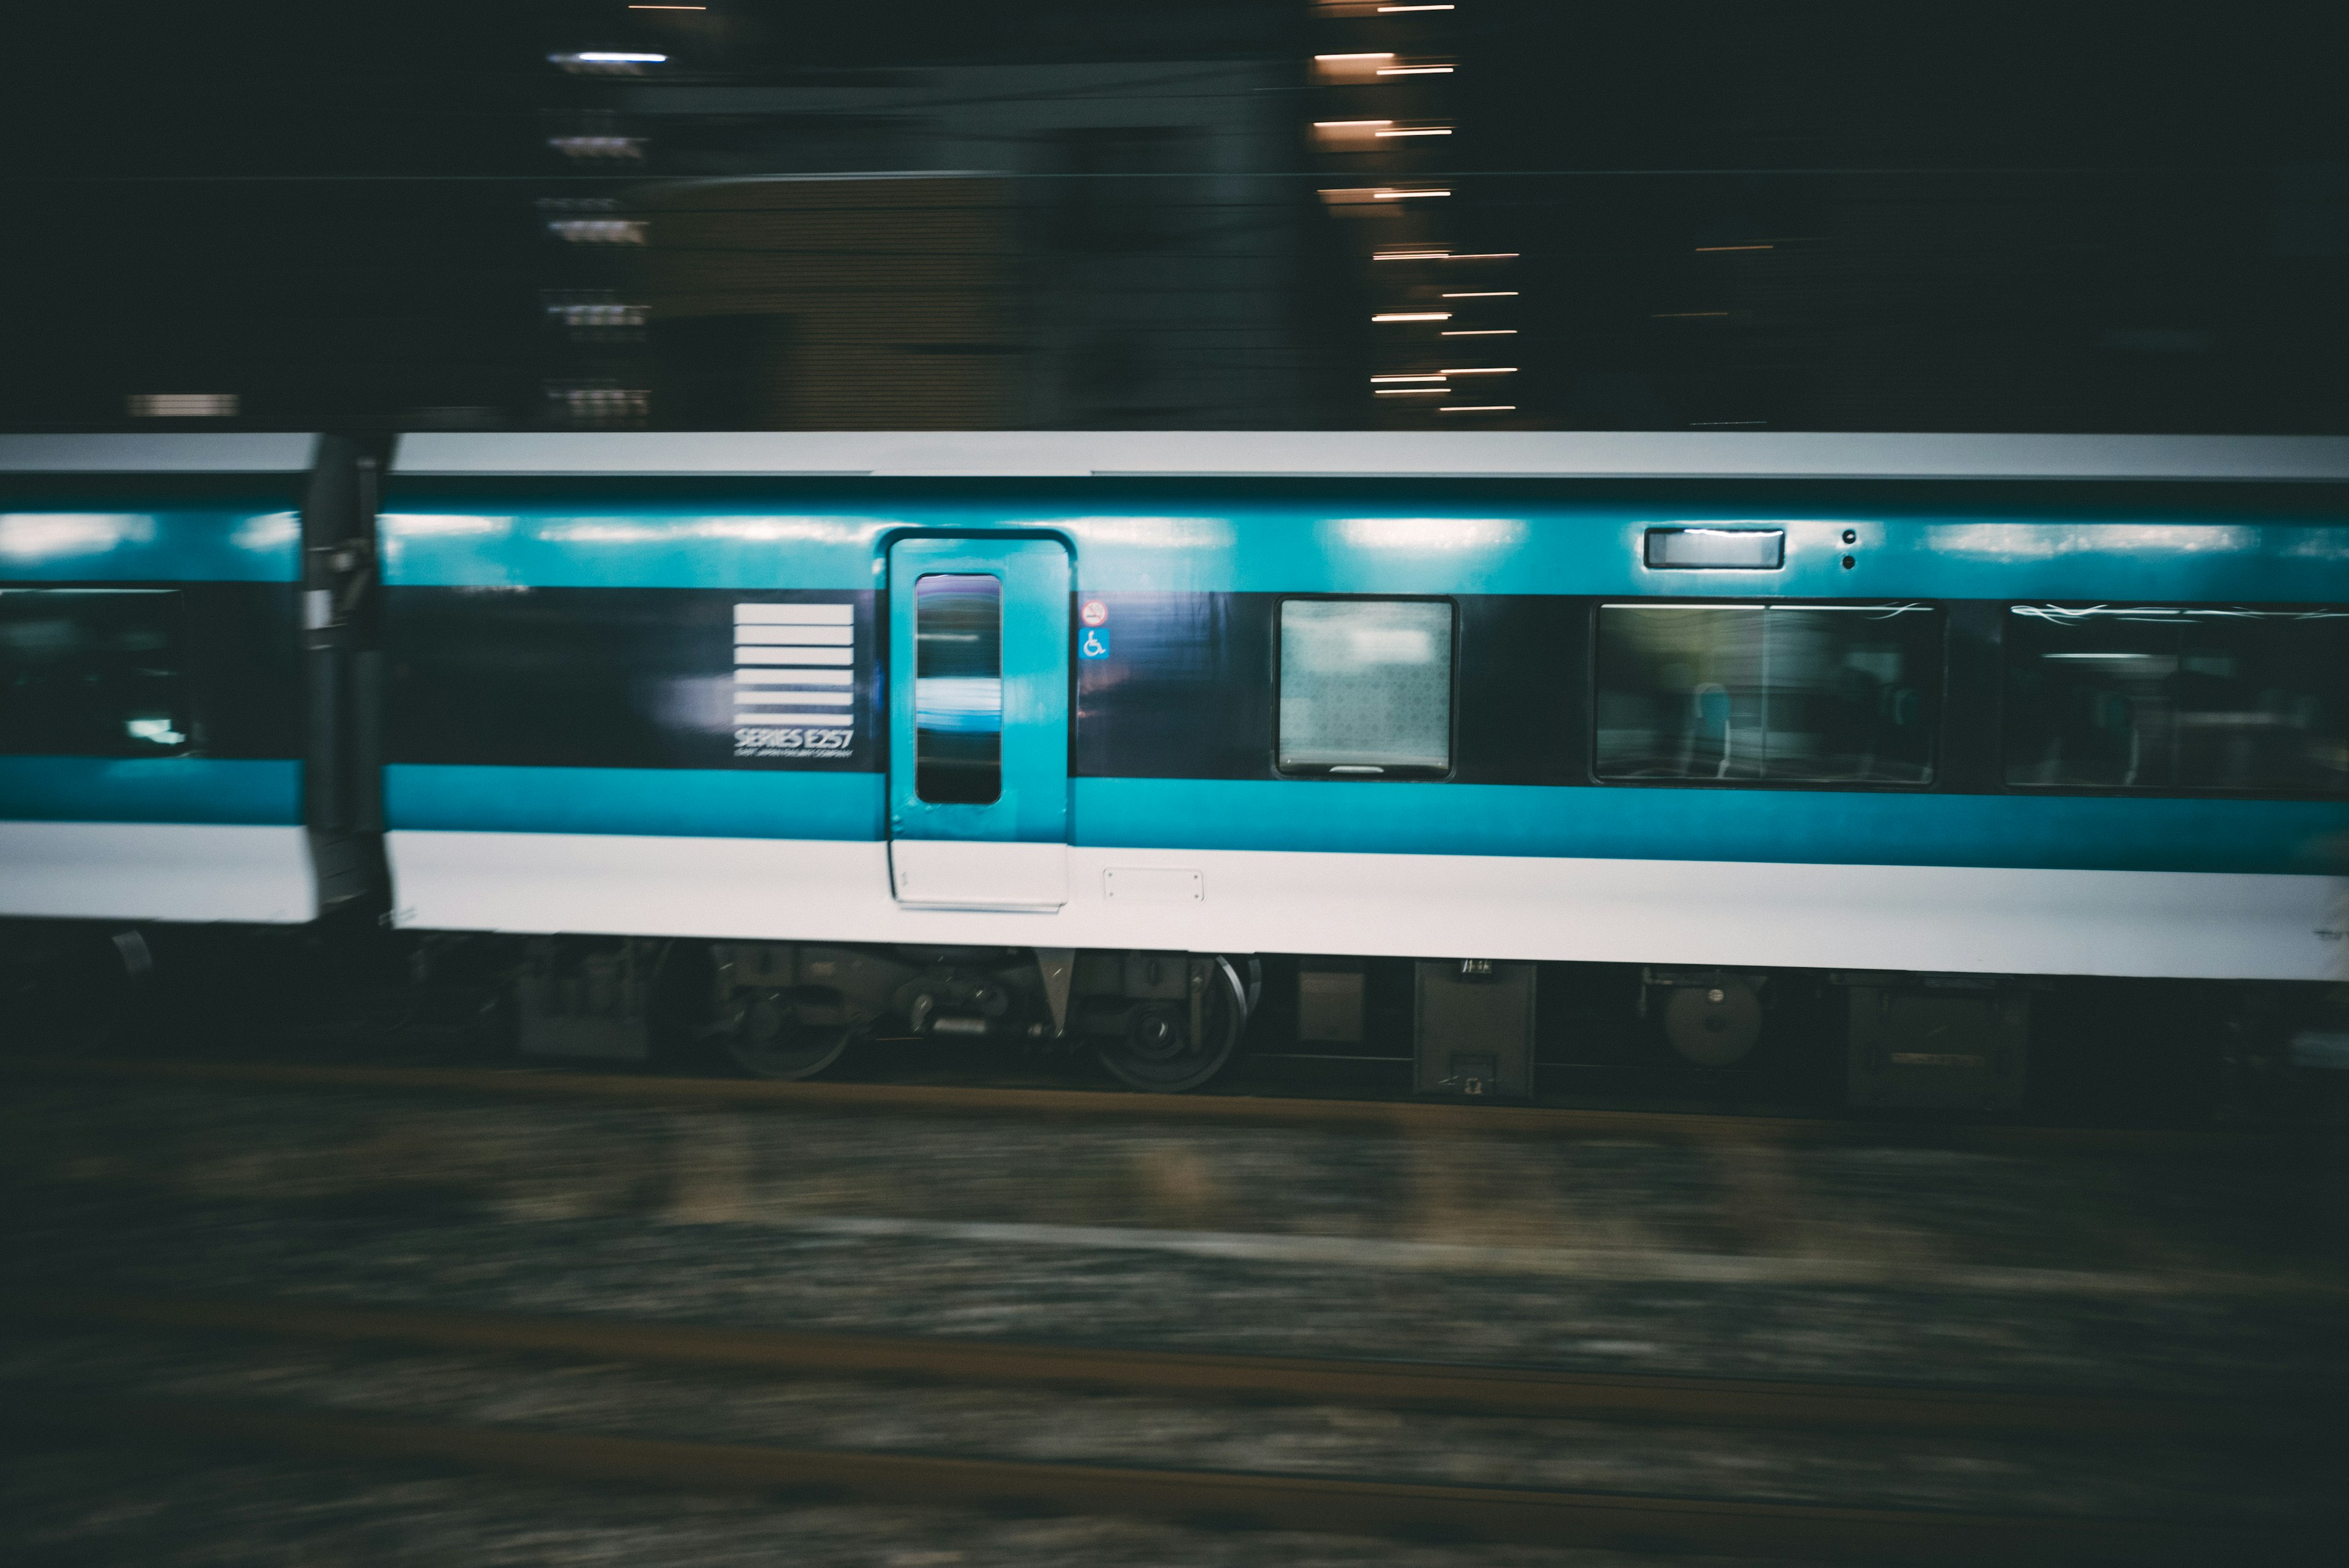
1792	693
1366	687
92	672
2177	698
958	688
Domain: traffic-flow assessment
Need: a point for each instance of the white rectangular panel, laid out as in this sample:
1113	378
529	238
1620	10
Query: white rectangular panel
785	636
1153	885
966	874
795	656
156	871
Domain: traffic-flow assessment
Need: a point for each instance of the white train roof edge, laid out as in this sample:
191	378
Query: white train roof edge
1018	454
1490	454
162	452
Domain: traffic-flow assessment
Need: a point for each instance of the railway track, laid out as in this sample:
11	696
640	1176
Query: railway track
1353	1506
1223	1500
956	1100
1427	1386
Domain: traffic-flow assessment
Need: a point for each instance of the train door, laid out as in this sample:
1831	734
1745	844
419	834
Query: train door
978	722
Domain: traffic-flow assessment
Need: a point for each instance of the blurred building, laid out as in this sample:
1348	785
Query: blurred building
1707	215
1094	246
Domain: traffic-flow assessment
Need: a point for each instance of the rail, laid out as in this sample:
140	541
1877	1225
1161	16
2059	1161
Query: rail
958	1100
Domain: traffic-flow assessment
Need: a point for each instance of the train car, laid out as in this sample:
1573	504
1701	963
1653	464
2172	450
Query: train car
168	726
1057	737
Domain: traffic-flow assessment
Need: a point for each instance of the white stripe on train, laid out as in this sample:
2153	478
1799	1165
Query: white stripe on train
2202	925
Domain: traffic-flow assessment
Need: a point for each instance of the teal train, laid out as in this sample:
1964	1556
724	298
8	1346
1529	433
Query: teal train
1165	746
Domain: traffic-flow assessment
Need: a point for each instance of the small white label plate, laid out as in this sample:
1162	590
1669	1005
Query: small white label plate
1153	885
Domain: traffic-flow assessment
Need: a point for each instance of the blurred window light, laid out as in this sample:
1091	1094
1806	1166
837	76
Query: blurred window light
1412	256
1370	130
1387	10
1405	195
182	405
1339	133
1483	370
1363	66
668	7
1478	409
597	314
599	404
1413	316
606	62
598	146
1411	392
1484	294
1415	70
1429	378
1481	332
597	230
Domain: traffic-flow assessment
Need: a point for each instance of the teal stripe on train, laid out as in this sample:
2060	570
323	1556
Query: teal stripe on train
1802	826
47	539
686	803
1461	537
237	791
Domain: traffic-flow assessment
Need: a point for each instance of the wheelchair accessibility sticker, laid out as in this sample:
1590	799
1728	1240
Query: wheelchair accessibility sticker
1094	644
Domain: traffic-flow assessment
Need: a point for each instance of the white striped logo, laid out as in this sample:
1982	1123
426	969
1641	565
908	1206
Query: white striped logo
794	678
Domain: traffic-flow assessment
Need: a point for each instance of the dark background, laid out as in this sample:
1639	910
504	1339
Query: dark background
1989	217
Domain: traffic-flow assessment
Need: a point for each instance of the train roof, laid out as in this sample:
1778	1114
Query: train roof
172	452
1240	454
1494	454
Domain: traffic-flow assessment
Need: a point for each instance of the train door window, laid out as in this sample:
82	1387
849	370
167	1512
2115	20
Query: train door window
1366	687
2177	698
92	672
958	688
1787	693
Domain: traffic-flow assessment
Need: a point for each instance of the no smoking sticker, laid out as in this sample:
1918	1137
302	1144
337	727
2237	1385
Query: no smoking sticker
1095	613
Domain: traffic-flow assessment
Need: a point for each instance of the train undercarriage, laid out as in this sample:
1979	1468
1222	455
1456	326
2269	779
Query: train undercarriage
1464	1029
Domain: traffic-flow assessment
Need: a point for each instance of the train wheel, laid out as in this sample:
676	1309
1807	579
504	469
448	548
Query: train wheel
769	1041
1712	1025
1161	1051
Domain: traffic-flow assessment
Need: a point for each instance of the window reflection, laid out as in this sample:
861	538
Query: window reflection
92	672
1366	686
958	688
1790	692
2153	699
